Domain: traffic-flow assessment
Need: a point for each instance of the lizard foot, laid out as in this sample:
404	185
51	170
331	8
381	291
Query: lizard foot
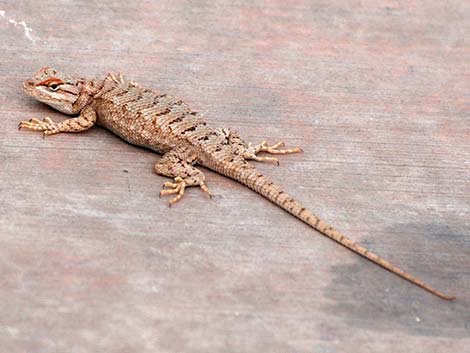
47	126
273	149
178	187
250	155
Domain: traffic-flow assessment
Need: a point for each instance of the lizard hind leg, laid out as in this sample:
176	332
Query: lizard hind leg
179	165
252	151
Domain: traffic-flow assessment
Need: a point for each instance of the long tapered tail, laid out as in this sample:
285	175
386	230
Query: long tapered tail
251	177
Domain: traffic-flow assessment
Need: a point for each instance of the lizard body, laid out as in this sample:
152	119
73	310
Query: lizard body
165	124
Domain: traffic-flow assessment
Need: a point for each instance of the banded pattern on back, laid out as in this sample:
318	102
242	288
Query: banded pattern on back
147	117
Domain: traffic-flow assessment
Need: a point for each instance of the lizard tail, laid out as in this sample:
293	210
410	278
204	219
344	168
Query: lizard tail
252	178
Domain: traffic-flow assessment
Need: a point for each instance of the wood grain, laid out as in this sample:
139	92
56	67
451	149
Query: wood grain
375	92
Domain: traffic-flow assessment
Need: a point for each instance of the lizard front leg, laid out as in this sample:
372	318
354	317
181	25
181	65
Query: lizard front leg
179	164
84	121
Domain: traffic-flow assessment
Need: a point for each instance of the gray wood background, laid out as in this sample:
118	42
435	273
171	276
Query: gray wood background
376	93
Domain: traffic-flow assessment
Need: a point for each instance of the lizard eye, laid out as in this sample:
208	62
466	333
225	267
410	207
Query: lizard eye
54	87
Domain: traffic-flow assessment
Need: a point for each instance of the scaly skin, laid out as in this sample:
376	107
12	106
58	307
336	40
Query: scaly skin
165	124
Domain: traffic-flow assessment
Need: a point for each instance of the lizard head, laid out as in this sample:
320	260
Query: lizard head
56	89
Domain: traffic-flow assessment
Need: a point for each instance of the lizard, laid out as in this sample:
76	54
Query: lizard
167	125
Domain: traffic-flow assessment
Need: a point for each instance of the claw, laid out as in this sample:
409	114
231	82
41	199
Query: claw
206	189
261	159
169	191
169	184
277	145
252	151
46	125
179	190
274	149
178	187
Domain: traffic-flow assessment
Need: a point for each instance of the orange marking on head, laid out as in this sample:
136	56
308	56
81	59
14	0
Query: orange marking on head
51	80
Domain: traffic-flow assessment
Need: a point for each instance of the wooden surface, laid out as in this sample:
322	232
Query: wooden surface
375	92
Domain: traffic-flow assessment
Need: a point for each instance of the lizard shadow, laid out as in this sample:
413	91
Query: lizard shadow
376	300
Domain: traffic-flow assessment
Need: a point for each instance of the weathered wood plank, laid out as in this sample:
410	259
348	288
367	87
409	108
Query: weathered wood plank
376	93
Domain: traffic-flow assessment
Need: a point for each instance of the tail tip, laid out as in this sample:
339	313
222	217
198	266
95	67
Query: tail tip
448	297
